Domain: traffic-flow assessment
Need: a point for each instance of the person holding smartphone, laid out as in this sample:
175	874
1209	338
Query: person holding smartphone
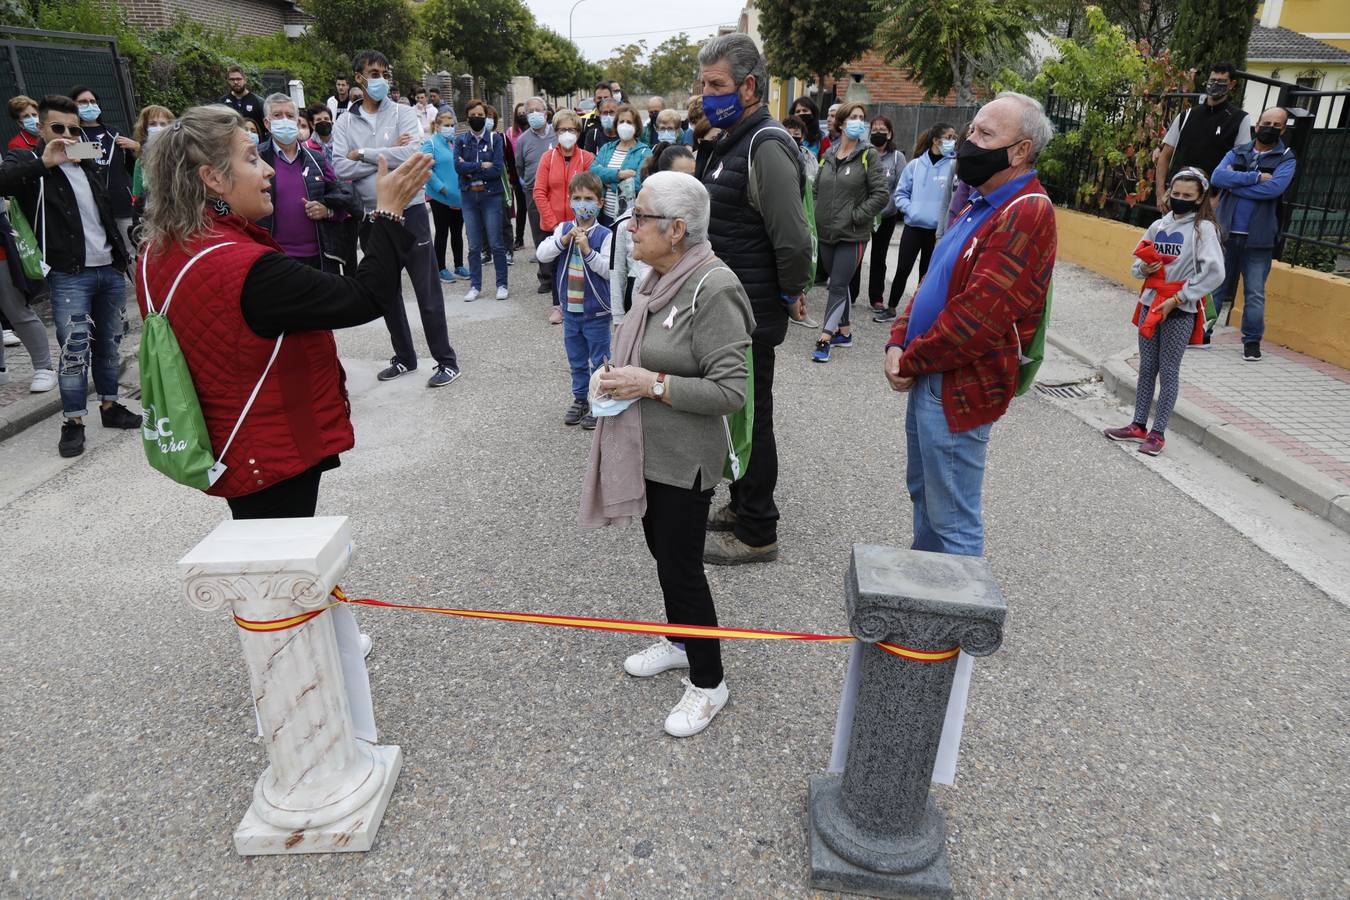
67	204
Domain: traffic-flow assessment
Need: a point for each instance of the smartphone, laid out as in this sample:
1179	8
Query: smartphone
84	150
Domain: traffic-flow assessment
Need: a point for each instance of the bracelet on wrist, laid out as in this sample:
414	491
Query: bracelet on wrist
386	214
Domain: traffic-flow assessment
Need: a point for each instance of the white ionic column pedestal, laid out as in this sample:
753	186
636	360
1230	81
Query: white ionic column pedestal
324	791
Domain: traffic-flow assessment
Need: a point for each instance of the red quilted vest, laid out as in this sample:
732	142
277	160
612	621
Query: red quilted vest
301	416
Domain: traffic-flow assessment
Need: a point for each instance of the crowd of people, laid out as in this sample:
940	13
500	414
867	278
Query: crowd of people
674	243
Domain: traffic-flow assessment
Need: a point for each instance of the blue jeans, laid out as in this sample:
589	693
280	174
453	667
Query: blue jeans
587	343
945	474
1253	264
483	212
89	308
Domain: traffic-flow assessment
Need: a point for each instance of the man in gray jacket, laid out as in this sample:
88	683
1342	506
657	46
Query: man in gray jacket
530	148
378	128
754	178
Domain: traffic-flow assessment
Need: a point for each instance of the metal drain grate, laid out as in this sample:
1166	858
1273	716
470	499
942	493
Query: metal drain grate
1064	391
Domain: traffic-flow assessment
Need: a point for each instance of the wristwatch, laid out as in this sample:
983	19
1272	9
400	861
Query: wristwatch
659	389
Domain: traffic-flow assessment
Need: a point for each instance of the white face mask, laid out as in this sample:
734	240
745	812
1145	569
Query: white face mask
626	131
489	123
447	130
568	139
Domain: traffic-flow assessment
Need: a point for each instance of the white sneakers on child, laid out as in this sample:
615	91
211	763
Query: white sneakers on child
696	709
659	657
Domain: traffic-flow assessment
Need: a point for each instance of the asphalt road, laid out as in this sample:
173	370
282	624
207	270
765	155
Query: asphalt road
1167	715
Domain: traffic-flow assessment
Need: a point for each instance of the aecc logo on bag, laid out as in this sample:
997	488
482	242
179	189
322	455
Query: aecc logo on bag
154	429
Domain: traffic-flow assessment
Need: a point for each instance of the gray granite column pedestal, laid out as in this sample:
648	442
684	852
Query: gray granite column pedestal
875	829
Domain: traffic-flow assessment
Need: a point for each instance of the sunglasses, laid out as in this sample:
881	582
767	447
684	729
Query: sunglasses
63	128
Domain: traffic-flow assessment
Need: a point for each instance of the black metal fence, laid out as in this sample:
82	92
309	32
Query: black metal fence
37	63
1315	210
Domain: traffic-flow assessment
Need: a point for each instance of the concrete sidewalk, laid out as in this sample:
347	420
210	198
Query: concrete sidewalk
1284	420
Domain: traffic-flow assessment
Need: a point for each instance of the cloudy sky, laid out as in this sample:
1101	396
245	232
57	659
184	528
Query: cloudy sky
598	26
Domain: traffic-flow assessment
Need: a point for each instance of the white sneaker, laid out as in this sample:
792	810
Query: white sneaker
696	709
11	339
366	645
501	293
472	295
658	658
43	380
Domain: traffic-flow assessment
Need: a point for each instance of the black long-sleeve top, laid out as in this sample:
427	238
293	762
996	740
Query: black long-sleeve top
280	294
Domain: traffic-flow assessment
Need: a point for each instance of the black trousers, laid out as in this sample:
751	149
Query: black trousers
914	243
752	496
295	498
876	263
420	264
348	231
537	234
674	526
522	219
449	225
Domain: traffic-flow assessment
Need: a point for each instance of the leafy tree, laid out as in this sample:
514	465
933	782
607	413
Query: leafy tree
673	65
1208	31
947	45
556	64
354	25
490	36
626	67
1148	21
816	38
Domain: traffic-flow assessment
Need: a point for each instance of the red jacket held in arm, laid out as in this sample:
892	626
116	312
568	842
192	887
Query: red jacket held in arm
1163	290
301	416
1000	283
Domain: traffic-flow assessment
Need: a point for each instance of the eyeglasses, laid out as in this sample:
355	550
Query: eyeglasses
642	218
63	128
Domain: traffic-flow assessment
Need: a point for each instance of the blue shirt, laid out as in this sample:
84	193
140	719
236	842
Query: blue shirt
931	298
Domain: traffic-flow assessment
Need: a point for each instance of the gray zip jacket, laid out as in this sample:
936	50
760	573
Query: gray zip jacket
378	136
1198	262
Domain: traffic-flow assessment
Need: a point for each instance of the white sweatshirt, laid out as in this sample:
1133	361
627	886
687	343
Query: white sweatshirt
1196	256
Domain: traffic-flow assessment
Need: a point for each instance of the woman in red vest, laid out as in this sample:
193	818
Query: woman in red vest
242	293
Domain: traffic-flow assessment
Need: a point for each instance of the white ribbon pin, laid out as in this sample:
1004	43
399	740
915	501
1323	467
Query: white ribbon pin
669	323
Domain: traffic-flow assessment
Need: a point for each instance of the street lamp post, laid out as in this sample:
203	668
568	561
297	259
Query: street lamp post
569	40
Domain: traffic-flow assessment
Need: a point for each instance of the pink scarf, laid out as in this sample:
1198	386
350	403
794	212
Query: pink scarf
613	490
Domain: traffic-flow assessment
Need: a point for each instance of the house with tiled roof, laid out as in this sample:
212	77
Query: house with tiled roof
1305	42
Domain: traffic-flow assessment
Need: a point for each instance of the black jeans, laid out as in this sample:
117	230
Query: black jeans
521	218
420	263
449	225
538	234
674	526
876	264
752	496
295	498
347	235
914	243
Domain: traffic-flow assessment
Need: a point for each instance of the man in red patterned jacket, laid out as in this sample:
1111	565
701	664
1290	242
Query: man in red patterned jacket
955	350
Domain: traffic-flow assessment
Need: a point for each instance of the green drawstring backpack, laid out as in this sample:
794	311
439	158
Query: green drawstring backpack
739	426
173	429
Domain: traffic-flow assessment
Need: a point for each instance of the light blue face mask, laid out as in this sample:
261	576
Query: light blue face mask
607	123
284	130
536	119
585	209
948	147
30	124
152	130
667	137
608	406
855	128
252	137
90	112
377	89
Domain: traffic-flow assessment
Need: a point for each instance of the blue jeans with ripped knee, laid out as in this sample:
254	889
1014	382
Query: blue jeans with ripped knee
89	308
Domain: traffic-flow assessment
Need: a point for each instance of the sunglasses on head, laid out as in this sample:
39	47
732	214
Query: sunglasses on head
63	128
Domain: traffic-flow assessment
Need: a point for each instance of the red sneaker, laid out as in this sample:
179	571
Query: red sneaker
1153	444
1131	432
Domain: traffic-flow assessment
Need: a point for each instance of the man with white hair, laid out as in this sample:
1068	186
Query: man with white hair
957	349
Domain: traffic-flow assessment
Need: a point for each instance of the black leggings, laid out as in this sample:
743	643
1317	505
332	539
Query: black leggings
449	223
675	525
914	242
521	218
295	498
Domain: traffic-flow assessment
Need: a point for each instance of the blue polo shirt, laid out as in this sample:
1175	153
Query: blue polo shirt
931	298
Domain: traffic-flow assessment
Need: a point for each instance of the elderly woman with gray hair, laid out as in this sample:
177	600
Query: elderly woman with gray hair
680	363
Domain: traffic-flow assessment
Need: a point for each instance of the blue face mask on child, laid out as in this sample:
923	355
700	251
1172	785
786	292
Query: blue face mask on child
585	210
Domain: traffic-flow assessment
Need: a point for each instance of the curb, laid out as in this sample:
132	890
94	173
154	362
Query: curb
1064	345
23	414
1296	480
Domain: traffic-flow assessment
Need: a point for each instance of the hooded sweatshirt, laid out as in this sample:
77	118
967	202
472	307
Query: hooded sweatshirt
1192	253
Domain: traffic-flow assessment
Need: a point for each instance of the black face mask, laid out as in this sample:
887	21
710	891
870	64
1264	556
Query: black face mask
1267	134
323	129
522	122
879	139
975	165
1183	207
477	122
1217	90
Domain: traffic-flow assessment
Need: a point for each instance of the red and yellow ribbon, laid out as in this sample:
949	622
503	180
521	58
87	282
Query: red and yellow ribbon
618	625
